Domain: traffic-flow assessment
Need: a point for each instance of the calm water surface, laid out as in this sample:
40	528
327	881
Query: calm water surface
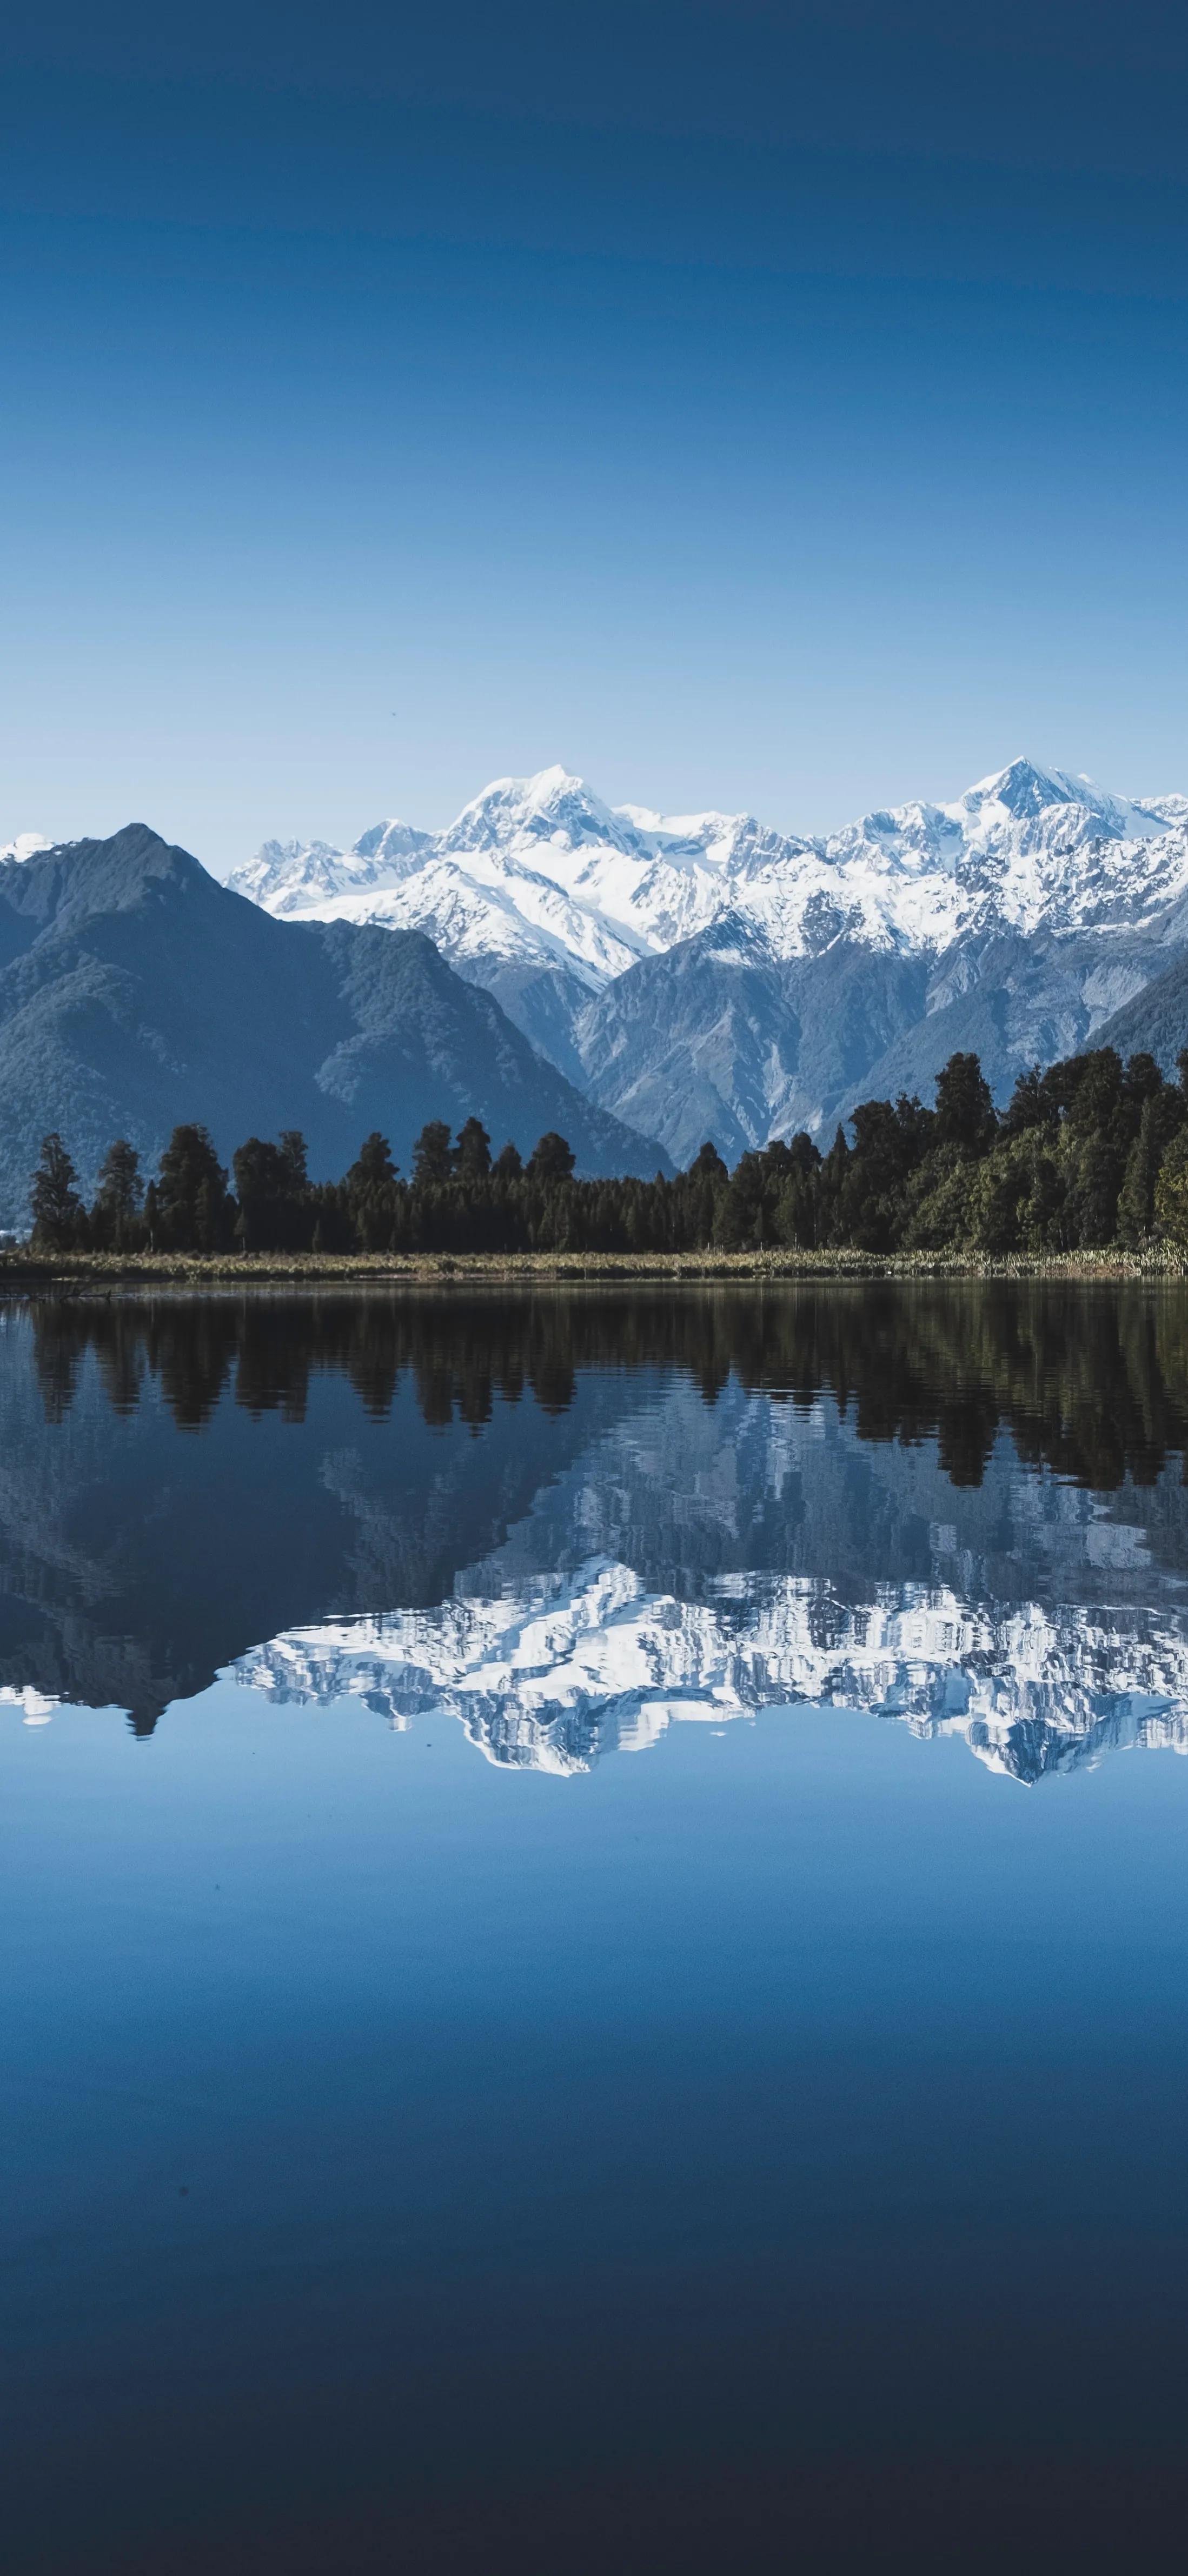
434	2139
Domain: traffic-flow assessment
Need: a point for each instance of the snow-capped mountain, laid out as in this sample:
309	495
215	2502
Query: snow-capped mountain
704	975
541	870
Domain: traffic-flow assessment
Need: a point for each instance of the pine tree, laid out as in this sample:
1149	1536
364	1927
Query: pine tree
551	1158
431	1155
471	1157
59	1217
1159	1128
370	1192
115	1216
965	1114
194	1210
294	1161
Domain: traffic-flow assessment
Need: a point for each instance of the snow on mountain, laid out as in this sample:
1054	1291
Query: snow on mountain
24	846
540	872
298	876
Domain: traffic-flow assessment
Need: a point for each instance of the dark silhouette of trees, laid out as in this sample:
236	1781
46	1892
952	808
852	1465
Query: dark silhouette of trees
272	1189
470	1160
59	1217
1096	1389
964	1114
369	1191
550	1160
431	1154
1088	1153
116	1213
194	1210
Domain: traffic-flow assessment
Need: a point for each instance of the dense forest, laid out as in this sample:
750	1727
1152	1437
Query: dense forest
1090	1153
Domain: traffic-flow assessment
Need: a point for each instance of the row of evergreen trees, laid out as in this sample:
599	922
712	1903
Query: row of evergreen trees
1090	1153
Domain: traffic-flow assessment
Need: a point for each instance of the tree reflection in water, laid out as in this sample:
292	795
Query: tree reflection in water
185	1478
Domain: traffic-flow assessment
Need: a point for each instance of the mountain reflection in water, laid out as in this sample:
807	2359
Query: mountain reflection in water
571	1519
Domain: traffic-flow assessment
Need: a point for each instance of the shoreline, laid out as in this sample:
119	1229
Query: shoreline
21	1271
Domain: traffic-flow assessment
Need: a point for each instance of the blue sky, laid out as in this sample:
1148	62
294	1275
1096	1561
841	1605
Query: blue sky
761	405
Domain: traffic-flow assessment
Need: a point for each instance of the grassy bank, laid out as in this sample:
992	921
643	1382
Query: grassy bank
76	1272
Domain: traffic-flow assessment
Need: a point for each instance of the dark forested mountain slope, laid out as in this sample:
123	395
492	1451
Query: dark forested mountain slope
135	992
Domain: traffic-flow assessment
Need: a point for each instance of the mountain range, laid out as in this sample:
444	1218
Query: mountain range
639	981
137	992
704	974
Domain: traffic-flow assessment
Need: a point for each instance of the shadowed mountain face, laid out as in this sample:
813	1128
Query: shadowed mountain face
720	1038
136	992
1155	1019
573	1522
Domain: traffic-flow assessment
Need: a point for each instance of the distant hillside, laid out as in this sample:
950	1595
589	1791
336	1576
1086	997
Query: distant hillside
135	991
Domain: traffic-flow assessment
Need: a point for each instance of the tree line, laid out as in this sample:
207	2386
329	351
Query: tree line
1090	1153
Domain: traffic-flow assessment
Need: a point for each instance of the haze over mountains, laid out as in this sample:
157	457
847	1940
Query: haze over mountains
703	974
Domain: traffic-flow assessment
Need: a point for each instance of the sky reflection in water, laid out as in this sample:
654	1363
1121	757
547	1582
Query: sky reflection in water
767	2144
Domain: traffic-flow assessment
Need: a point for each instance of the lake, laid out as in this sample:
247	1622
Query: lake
595	1929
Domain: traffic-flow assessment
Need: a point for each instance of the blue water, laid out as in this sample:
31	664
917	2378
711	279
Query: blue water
594	1944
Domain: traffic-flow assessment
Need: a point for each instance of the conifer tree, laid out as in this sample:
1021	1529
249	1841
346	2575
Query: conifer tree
115	1216
551	1158
471	1157
965	1114
431	1155
370	1191
59	1217
194	1210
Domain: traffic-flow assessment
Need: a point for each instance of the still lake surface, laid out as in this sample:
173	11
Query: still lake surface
595	1930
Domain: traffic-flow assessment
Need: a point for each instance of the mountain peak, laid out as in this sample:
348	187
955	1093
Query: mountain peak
1024	789
551	805
540	873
